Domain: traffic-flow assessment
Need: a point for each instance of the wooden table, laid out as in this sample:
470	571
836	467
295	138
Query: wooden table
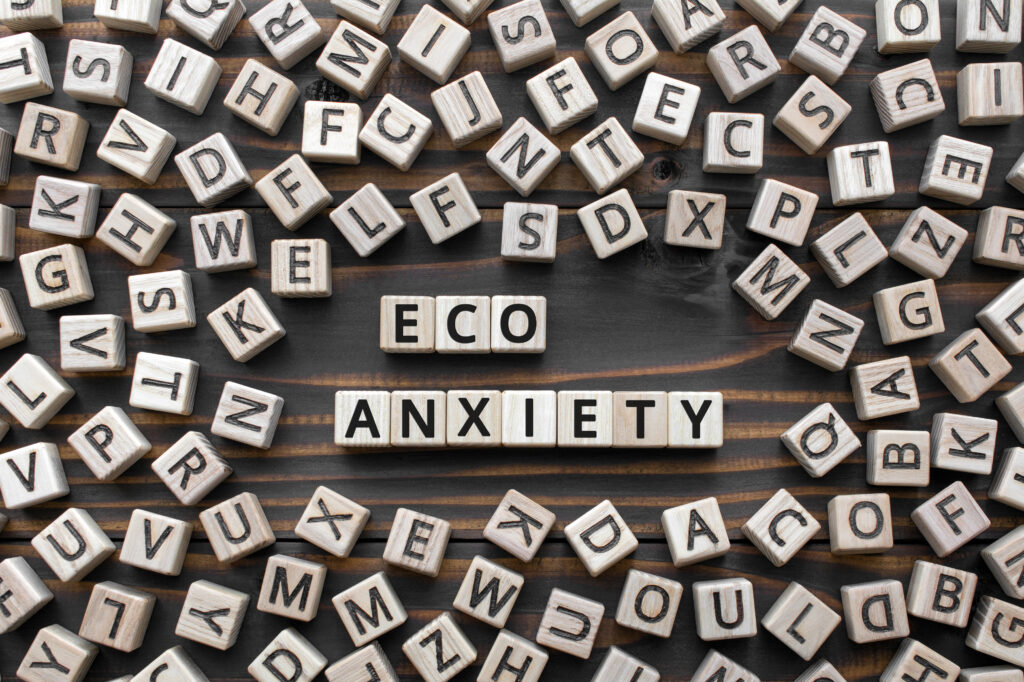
654	317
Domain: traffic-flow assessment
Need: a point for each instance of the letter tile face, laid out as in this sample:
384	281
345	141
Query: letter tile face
801	621
287	30
73	545
183	76
237	527
742	64
618	665
175	662
898	458
641	419
467	109
907	27
695	532
687	25
724	609
109	443
782	212
191	468
418	418
1002	319
601	538
780	528
907	95
64	207
956	170
212	615
141	17
523	156
156	543
375	17
987	28
649	603
25	68
666	109
514	657
300	268
32	475
771	282
292	587
963	443
462	324
991	630
970	366
860	524
860	174
23	591
928	243
117	616
136	146
875	611
290	656
529	232
941	594
1008	482
354	59
440	650
223	241
733	143
822	671
826	336
474	418
212	25
519	525
1003	558
562	95
136	230
908	312
821	440
621	50
914	660
330	132
417	542
850	249
445	208
368	610
51	136
32	392
362	419
570	624
56	646
164	383
332	522
407	324
522	34
161	301
247	415
999	240
695	219
367	220
612	223
585	419
488	592
56	277
884	388
213	170
97	72
246	325
950	519
811	115
606	155
695	419
990	94
293	192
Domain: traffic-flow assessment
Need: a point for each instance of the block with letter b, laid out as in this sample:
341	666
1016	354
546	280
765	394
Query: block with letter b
898	458
941	594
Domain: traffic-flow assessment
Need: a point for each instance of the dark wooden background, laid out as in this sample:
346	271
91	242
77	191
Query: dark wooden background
654	317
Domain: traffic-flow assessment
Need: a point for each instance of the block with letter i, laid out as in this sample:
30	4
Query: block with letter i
898	458
514	656
237	527
292	587
570	623
928	243
109	443
183	76
223	241
941	594
357	605
618	665
990	94
32	392
287	30
367	220
136	230
519	525
801	621
826	336
56	648
141	16
24	593
300	268
293	192
440	650
246	325
261	97
330	132
247	415
488	592
191	468
156	543
117	616
434	44
212	615
97	72
289	656
970	365
417	542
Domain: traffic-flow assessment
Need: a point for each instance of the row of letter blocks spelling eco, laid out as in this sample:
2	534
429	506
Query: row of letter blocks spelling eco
463	324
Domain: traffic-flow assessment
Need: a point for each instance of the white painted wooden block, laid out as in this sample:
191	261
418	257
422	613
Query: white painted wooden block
908	311
462	324
136	146
695	532
519	525
970	366
826	336
515	657
529	232
434	44
369	609
161	301
955	170
529	419
237	527
445	208
904	27
570	623
992	673
988	27
695	419
618	665
686	25
1008	482
601	538
851	248
724	609
715	665
24	593
860	173
606	155
521	34
928	243
666	108
183	76
370	660
417	542
289	656
780	528
191	468
31	16
362	419
801	620
141	16
211	25
367	220
990	629
292	587
907	95
641	419
354	59
300	268
585	419
73	545
223	241
287	30
32	392
648	603
898	458
374	16
742	64
64	207
811	115
32	475
612	223
820	440
875	611
1003	558
246	325
212	170
440	650
473	418
136	230
466	108
822	671
407	324
733	143
695	219
7	214
109	443
584	11
523	156
56	277
782	212
212	615
770	13
771	282
261	97
396	132
117	616
164	383
884	388
914	660
332	522
98	72
950	519
621	50
561	95
174	662
488	592
1011	405
247	415
990	94
999	239
92	343
293	192
25	68
518	324
941	594
156	543
330	132
56	648
860	523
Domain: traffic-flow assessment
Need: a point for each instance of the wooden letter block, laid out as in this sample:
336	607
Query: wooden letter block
801	621
733	143
584	11
715	665
7	214
462	324
904	27
417	542
237	527
884	388
1001	318
23	591
822	671
875	611
396	132
992	633
821	440
12	331
606	155
518	324
601	538
32	392
955	170
782	212
98	72
261	97
247	415
695	419
136	146
407	324
826	336
570	624
519	525
467	11
849	249
56	648
300	268
64	207
212	615
418	418
621	50
641	419
289	656
529	232
742	64
522	34
183	76
513	658
860	524
33	16
585	419
73	545
724	609
354	59
332	522
467	109
367	220
771	282
812	114
25	68
375	17
666	109
292	587
156	543
434	44
992	673
109	443
32	475
174	662
92	343
1003	558
898	458
999	240
780	528
56	277
191	468
928	243
488	592
907	95
439	651
860	173
369	609
915	661
161	301
136	230
223	241
649	603
142	16
990	94
529	419
362	419
562	95
612	223
686	24
51	136
370	660
1008	483
245	325
941	594
330	132
695	219
987	27
445	208
164	383
909	311
212	170
695	532
474	418
117	616
770	13
618	665
293	192
287	30
211	25
523	156
950	519
970	366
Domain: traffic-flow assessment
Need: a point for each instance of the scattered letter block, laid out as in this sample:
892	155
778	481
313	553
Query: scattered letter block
369	609
990	94
161	301
64	207
300	268
733	143
991	28
1003	558
245	325
724	609
32	16
488	592
164	383
156	543
928	243
907	95
237	527
191	468
73	545
467	109
618	665
292	587
607	155
695	219
92	343
183	76
860	173
56	648
512	655
914	660
826	336
743	64
908	312
666	109
562	95
970	365
621	50
212	170
941	594
1008	483
522	34
332	522
771	282
695	532
570	624
97	72
801	621
287	30
649	603
990	631
109	443
445	208
782	212
210	25
32	392
686	25
955	170
25	68
898	458
370	660
367	220
396	132
780	528
212	615
440	651
999	240
375	17
519	525
612	223
875	611
247	415
56	277
848	250
289	656
223	241
523	157
821	440
884	388
529	232
827	45
811	115
293	192
32	475
330	132
175	662
117	616
1002	319
354	59
907	26
136	230
434	44
142	16
860	524
715	665
24	593
950	519
417	542
601	538
261	97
